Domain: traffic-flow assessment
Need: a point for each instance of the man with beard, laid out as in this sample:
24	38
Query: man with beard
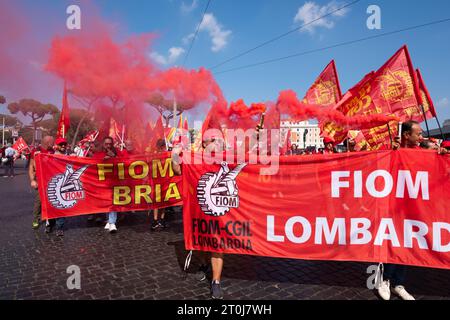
61	149
109	151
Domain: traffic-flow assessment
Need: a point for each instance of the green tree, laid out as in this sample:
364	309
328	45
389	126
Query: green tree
80	124
10	121
165	107
86	114
36	110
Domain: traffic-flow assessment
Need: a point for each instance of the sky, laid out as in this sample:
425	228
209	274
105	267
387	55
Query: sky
231	27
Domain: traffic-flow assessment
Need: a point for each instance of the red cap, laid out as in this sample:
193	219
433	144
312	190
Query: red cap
445	144
60	141
327	140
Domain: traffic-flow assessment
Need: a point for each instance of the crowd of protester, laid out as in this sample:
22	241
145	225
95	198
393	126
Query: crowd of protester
107	148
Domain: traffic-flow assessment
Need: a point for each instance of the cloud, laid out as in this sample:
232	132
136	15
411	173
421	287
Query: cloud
219	36
186	8
186	40
444	102
311	11
174	54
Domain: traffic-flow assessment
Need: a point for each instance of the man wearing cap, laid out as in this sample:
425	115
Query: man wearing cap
329	145
45	147
61	149
445	145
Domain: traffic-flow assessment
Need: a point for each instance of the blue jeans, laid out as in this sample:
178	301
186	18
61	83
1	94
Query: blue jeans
395	273
59	223
112	217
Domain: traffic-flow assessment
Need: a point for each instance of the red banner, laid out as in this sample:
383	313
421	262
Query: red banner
71	186
382	206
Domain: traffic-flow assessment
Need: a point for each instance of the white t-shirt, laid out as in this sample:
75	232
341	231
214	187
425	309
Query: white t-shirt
10	152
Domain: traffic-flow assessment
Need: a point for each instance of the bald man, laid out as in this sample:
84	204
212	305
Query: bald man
45	147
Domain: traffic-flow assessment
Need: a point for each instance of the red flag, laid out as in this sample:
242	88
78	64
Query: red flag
287	145
358	138
20	145
428	105
333	130
326	90
393	89
176	134
180	122
185	134
90	137
158	133
64	119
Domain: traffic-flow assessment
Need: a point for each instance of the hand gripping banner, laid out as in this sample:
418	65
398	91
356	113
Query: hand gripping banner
71	186
383	206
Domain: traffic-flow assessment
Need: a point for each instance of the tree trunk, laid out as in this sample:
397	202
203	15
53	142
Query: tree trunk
75	135
34	131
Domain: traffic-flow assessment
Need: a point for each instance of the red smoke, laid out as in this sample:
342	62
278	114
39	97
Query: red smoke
121	76
239	115
290	104
190	87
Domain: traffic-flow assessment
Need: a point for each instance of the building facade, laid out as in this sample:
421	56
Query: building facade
303	133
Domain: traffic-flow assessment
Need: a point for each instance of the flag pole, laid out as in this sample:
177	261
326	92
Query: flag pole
390	133
123	137
426	121
440	128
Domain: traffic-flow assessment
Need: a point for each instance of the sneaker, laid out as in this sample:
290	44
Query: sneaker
156	225
402	293
59	233
107	226
163	224
384	291
35	224
112	228
216	290
201	273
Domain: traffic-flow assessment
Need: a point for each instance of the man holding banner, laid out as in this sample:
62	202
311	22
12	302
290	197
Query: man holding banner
45	147
216	257
394	274
108	152
61	149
